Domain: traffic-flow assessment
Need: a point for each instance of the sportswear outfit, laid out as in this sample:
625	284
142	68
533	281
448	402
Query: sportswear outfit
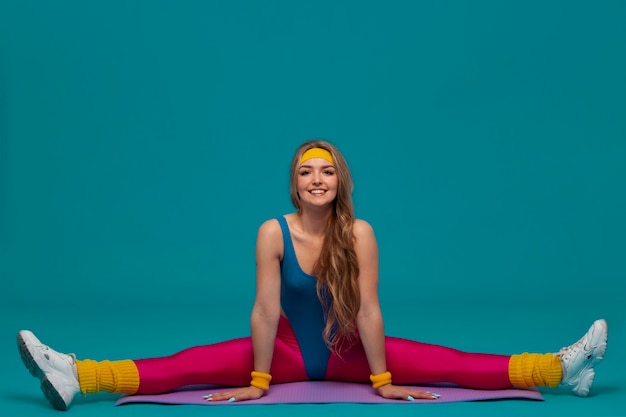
301	354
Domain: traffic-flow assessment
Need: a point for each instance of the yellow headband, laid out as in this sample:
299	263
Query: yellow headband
316	153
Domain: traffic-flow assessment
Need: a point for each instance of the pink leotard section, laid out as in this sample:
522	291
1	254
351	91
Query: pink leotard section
230	363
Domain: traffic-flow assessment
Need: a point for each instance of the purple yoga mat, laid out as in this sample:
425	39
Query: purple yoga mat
319	392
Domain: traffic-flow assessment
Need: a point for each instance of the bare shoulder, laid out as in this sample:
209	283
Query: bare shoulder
365	239
270	238
366	249
362	229
269	227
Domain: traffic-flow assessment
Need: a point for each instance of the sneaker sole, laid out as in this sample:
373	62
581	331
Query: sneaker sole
52	395
584	384
28	359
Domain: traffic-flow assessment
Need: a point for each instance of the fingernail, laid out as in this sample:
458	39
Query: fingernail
410	398
231	399
207	396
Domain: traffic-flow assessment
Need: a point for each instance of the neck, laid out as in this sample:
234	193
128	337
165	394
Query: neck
314	221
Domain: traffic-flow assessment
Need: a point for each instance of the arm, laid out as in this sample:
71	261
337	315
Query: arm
369	319
266	309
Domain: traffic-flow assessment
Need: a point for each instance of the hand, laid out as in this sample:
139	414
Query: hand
239	394
405	393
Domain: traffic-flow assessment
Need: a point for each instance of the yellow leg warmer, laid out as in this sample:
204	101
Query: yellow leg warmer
117	377
534	369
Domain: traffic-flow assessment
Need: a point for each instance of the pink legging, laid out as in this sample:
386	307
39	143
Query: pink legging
230	363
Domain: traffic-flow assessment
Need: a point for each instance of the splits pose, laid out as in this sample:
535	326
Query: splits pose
316	316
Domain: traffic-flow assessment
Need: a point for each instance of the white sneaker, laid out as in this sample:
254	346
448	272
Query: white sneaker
57	371
579	359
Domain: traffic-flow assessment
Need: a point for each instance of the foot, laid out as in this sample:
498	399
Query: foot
579	359
56	371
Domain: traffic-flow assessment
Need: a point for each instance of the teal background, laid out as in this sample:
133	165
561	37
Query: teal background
143	142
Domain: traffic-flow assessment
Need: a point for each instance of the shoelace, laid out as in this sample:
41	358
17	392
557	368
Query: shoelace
63	356
567	352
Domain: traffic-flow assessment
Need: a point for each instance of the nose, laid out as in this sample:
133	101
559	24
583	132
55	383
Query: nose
317	178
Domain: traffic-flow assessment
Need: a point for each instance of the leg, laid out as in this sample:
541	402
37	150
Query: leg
421	363
227	363
413	362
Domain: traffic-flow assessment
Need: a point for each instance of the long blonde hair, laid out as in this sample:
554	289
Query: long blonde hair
337	268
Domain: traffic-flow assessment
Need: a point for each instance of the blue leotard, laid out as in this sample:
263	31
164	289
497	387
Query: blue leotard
299	301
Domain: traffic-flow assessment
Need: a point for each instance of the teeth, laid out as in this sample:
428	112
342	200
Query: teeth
317	191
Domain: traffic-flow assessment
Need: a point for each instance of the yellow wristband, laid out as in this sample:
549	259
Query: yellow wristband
380	379
261	380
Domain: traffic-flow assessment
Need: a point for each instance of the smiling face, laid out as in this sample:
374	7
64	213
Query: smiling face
316	182
319	175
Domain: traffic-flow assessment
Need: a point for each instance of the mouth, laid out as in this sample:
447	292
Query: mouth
317	192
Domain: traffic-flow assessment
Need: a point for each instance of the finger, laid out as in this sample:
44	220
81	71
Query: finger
412	395
425	395
251	393
229	398
400	393
220	396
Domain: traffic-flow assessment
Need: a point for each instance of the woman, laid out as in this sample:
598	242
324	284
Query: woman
316	316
